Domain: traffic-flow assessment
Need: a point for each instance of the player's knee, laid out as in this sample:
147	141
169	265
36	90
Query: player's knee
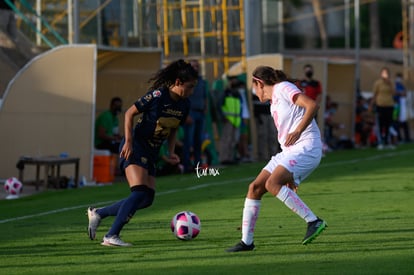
146	196
148	201
273	186
256	190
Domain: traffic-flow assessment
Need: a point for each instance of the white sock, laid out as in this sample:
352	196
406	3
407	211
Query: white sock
250	213
292	200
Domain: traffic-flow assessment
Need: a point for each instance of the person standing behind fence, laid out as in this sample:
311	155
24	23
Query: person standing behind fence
267	144
243	143
310	86
383	101
8	20
401	97
230	109
107	136
194	126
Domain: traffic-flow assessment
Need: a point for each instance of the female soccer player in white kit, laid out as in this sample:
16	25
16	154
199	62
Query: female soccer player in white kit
300	140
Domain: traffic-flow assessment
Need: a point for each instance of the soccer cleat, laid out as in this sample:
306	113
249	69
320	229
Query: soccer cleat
114	241
241	246
94	221
314	229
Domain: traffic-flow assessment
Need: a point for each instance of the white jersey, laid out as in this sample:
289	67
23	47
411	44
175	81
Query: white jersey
287	116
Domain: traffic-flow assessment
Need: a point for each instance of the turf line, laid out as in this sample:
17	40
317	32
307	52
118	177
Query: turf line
109	202
376	157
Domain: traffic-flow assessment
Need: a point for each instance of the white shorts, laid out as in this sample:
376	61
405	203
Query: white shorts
300	159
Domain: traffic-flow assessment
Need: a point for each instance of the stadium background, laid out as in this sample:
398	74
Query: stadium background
78	55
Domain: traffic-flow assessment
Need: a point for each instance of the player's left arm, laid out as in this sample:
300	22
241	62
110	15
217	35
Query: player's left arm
171	146
126	150
311	108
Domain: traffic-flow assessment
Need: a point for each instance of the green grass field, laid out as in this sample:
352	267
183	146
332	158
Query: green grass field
366	197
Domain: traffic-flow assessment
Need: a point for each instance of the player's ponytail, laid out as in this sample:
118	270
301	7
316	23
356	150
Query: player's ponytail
166	77
270	76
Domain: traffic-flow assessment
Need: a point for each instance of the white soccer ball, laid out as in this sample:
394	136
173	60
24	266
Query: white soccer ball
13	187
185	225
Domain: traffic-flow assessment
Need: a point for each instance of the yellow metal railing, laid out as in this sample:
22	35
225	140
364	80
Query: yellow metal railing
210	31
192	28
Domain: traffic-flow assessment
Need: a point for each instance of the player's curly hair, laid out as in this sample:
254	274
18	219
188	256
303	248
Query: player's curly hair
270	76
167	76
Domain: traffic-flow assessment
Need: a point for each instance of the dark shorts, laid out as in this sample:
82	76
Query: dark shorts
141	156
107	145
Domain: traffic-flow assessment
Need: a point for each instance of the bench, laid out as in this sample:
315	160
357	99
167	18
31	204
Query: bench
50	163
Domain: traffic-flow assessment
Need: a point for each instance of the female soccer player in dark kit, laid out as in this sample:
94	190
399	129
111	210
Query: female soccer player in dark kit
293	113
164	107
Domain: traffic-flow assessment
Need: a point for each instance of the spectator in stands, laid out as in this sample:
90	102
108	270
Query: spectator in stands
8	20
243	143
364	123
230	108
331	125
401	115
195	123
268	144
107	136
383	101
310	86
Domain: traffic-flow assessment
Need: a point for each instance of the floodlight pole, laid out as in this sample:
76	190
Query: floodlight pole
411	34
346	23
357	65
73	21
76	21
357	46
38	22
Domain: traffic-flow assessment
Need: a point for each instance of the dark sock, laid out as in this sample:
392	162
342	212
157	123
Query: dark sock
111	210
140	197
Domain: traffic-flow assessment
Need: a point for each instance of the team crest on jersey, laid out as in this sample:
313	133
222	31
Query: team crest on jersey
156	93
144	160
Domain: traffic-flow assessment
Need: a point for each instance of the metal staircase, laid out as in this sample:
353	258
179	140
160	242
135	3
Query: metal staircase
211	31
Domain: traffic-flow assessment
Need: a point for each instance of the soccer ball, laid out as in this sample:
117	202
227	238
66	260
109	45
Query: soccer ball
13	187
185	225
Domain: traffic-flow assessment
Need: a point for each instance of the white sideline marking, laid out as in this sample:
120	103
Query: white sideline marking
108	202
390	154
203	186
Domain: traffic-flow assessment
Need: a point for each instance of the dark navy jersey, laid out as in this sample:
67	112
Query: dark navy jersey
160	115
